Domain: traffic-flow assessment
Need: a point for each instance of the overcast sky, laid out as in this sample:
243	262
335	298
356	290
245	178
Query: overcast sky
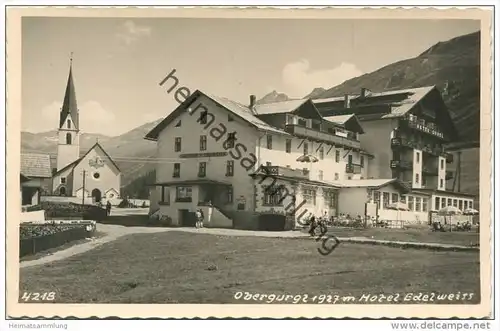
118	63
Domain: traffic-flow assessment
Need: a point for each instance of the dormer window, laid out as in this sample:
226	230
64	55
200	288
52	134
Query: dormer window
68	124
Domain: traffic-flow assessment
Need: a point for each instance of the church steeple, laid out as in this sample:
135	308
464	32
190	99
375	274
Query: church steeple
68	147
69	106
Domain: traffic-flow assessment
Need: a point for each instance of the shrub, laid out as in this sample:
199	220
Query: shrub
124	203
144	204
165	221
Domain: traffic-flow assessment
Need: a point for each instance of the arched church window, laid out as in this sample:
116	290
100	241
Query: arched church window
69	124
62	191
68	138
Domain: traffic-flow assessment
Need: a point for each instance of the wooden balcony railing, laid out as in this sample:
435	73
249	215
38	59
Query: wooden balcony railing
352	168
318	135
448	156
399	142
284	171
417	124
401	164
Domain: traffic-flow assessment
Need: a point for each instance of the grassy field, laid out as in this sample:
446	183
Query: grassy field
412	235
177	267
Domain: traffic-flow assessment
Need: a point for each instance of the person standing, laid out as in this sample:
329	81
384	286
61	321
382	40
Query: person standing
313	225
199	218
108	208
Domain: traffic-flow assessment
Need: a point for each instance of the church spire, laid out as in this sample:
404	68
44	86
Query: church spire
69	106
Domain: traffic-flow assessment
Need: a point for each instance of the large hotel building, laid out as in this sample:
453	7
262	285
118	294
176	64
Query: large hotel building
266	166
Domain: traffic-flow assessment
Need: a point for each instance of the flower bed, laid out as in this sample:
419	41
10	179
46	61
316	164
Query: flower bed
35	231
73	210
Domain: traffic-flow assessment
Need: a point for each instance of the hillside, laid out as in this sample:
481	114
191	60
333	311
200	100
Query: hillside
125	149
455	61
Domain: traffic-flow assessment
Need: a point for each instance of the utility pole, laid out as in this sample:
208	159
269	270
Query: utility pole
459	168
83	190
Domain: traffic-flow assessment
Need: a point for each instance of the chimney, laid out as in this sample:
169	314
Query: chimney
252	101
347	101
363	92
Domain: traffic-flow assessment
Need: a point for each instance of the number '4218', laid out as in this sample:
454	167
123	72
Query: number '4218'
38	296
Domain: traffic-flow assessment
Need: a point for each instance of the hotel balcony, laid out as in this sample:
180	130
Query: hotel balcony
352	168
318	135
285	172
401	164
417	124
403	142
449	174
430	171
448	156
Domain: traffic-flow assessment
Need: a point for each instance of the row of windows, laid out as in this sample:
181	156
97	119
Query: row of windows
414	203
230	142
276	197
458	203
185	194
232	137
202	169
305	150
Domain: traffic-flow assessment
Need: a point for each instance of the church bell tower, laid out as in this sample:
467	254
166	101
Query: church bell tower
68	148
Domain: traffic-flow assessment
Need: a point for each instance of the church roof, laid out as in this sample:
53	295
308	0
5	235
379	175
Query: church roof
69	106
77	161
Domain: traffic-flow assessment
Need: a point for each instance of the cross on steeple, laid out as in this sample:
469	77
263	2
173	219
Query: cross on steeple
71	59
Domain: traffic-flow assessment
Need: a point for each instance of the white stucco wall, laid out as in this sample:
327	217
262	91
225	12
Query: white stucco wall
278	156
190	131
109	176
441	173
67	153
352	201
417	168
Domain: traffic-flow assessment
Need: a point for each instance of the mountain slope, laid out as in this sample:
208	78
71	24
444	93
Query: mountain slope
456	61
273	97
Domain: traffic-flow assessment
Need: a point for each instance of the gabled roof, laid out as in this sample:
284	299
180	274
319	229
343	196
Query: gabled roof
237	109
69	106
77	162
35	165
288	106
71	165
398	109
349	122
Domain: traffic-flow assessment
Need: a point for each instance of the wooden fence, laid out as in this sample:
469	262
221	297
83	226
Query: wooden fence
30	246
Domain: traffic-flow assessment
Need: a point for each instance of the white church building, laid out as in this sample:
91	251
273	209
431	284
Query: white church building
94	174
